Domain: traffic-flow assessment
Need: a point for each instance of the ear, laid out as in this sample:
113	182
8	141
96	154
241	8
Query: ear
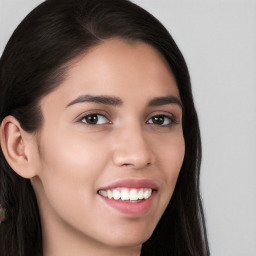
17	146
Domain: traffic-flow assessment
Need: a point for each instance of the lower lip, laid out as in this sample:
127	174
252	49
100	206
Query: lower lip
130	208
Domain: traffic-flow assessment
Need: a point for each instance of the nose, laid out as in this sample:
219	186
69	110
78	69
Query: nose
133	149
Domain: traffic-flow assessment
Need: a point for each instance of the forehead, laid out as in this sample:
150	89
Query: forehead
118	68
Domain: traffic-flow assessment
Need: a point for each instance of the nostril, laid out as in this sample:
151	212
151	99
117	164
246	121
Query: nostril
136	165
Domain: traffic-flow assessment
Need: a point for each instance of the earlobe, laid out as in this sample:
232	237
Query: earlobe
15	144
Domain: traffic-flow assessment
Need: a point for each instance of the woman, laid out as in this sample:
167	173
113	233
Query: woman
100	143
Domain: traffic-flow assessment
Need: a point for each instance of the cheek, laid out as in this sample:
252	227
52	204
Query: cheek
172	157
70	164
70	168
71	153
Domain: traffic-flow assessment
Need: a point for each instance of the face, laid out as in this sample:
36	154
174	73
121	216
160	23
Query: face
111	146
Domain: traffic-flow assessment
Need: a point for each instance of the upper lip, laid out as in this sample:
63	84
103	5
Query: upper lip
132	183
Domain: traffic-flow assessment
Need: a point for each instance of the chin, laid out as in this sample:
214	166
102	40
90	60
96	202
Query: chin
131	239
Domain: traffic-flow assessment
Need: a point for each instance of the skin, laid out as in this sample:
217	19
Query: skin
69	160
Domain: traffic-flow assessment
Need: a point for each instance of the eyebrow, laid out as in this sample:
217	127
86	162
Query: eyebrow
159	101
115	101
107	100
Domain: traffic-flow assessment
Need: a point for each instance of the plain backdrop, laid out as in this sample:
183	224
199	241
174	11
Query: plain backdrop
218	40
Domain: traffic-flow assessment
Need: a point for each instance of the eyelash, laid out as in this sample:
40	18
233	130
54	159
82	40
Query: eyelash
170	119
167	117
94	115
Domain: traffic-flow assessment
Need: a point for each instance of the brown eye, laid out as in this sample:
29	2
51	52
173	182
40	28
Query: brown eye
158	120
162	120
95	119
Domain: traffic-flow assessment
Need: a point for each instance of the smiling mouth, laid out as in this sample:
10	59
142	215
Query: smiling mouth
133	195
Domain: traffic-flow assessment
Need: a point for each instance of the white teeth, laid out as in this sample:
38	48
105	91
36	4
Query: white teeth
133	194
103	193
147	193
116	194
109	194
141	194
126	194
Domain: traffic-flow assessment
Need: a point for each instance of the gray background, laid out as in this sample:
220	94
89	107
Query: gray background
218	40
